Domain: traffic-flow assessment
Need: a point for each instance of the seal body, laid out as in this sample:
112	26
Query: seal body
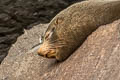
68	30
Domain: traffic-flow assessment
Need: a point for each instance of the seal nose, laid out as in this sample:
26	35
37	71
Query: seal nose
45	51
40	52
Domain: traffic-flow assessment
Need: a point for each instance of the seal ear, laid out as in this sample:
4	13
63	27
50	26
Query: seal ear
59	20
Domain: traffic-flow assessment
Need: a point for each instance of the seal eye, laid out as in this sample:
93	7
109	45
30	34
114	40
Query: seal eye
49	34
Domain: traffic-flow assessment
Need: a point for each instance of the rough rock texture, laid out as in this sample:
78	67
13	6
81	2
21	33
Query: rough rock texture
18	14
97	59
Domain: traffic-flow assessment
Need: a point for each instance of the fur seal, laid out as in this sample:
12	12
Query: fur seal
69	29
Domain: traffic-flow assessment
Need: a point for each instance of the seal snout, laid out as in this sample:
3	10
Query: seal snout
39	53
48	54
42	52
45	51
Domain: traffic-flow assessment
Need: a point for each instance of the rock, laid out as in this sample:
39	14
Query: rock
15	15
97	58
30	11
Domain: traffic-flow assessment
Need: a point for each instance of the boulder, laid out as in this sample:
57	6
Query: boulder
97	58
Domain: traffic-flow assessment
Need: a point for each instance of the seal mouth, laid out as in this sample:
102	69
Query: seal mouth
51	54
47	51
48	54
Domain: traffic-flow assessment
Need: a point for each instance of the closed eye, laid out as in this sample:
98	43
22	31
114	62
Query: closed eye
49	34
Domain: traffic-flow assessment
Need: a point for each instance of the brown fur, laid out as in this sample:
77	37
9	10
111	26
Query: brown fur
68	30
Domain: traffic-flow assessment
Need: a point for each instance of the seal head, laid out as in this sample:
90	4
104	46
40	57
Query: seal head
56	41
